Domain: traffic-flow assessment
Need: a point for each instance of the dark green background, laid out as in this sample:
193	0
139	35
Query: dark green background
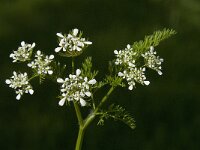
167	112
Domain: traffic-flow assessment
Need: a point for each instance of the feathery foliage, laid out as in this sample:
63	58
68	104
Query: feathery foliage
87	68
152	40
117	112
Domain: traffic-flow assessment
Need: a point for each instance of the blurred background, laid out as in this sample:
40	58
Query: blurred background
167	112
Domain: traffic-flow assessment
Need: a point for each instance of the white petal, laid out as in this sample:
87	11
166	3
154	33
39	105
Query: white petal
38	52
159	72
31	91
131	64
78	72
146	82
128	46
120	74
93	81
11	55
8	81
60	35
116	52
50	72
33	45
130	87
78	48
75	32
151	48
58	49
69	36
51	57
29	64
85	79
82	102
88	42
64	49
61	102
22	43
14	73
88	94
60	80
18	97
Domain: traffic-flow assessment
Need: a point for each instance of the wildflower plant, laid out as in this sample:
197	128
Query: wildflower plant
79	86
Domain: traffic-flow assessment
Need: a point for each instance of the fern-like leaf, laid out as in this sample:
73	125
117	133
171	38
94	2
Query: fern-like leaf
152	40
87	68
117	112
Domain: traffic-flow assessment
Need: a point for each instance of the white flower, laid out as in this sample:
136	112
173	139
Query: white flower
20	83
71	42
42	63
23	53
125	57
133	75
75	88
152	61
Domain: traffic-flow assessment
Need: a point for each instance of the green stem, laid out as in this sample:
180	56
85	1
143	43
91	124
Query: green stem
84	124
80	138
72	65
104	99
80	120
34	76
78	114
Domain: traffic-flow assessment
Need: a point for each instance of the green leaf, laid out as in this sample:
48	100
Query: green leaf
114	81
152	40
87	68
117	113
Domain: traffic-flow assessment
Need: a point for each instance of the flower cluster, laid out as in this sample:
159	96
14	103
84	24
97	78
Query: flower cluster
72	42
23	53
41	63
75	88
131	73
20	83
125	57
152	61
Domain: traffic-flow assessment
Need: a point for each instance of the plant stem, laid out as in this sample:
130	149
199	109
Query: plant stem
84	124
78	114
34	76
72	65
104	99
80	120
80	138
77	109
